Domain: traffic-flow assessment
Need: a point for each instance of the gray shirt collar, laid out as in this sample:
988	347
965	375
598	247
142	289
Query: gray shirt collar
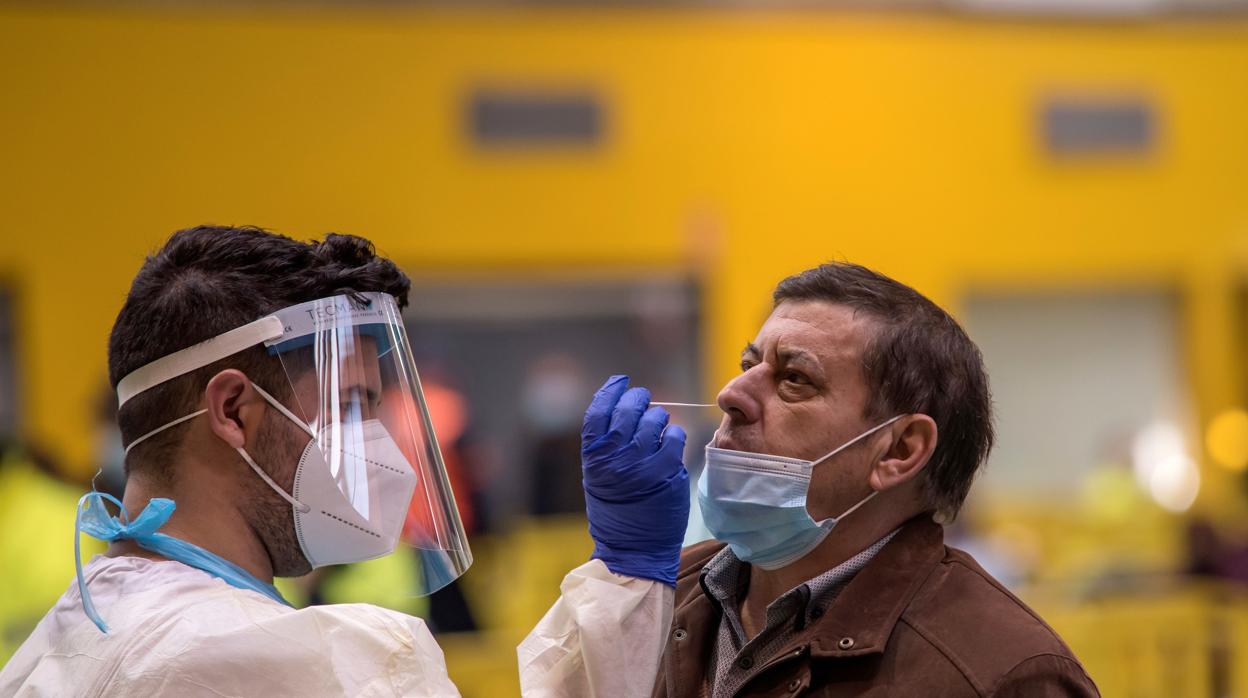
726	579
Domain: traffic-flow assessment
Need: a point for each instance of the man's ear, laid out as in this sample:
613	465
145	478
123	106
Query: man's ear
234	409
913	441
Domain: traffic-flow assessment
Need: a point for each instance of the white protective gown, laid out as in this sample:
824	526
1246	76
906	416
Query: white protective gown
177	631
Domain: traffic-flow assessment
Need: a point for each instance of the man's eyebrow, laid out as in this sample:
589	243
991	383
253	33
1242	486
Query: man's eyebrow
750	351
800	356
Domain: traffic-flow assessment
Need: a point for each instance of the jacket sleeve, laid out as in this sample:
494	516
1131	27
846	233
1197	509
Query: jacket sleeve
1046	676
604	637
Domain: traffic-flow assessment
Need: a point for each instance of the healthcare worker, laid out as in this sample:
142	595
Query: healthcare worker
250	371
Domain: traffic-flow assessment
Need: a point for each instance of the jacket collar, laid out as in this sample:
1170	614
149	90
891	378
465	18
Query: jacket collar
866	609
862	618
859	622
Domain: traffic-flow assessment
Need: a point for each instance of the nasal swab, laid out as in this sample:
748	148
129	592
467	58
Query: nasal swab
684	404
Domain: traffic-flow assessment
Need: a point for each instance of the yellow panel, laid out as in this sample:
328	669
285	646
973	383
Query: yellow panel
741	146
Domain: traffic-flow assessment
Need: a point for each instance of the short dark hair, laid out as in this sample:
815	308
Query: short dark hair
919	360
208	280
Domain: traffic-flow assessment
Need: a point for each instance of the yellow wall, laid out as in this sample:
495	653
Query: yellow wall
741	145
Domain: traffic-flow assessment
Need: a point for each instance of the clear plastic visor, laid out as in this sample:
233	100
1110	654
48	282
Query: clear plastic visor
355	385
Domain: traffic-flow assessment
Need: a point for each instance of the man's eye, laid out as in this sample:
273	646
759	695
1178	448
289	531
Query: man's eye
746	365
797	378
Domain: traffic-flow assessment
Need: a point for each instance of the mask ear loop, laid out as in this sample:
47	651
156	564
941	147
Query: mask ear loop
858	506
159	429
282	408
854	440
303	508
844	446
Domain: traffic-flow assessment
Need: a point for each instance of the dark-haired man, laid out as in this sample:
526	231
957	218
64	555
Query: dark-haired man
861	413
273	423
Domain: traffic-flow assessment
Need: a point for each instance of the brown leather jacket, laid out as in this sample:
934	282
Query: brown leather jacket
920	619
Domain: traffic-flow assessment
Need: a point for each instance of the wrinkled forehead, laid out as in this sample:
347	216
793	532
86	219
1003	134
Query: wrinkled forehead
835	335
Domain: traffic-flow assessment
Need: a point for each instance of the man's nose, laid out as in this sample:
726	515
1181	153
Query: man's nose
740	398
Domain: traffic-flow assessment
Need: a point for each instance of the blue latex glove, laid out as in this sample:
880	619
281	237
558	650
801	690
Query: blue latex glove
636	485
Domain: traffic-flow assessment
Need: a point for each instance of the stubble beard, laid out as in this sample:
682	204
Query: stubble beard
277	452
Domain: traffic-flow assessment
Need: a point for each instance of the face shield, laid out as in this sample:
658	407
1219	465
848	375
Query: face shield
371	475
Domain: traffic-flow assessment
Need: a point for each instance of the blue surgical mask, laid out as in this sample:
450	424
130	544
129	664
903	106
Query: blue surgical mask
94	520
756	503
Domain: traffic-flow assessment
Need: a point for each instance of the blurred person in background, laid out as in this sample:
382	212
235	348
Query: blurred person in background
1217	551
250	370
1214	554
859	420
35	552
553	397
449	611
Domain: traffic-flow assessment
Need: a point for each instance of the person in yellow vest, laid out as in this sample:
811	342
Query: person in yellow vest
36	550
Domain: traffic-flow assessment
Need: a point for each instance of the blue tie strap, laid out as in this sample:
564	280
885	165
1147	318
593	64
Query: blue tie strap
92	518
